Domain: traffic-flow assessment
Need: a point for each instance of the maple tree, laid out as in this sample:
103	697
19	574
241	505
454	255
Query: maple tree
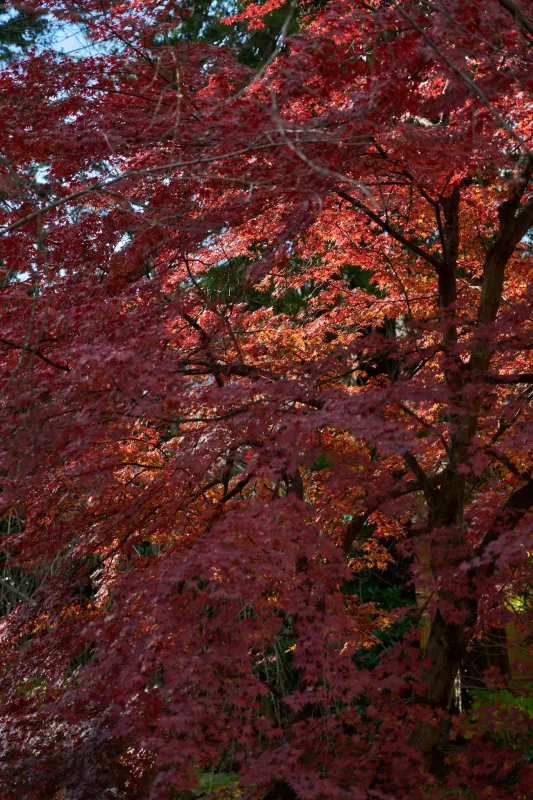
266	336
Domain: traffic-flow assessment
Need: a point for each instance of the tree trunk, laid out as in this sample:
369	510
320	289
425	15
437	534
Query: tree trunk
446	649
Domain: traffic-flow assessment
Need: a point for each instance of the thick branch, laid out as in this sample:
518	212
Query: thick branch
355	528
36	352
512	229
450	236
507	463
517	14
514	224
521	377
420	475
294	483
414	248
510	515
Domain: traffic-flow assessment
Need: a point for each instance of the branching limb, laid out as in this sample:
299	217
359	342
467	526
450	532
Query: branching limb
36	352
420	475
390	229
355	528
507	463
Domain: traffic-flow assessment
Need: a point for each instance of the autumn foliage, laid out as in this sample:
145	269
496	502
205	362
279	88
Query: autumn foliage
265	342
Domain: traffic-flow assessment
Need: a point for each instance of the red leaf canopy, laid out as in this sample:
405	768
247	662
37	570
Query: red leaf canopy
264	333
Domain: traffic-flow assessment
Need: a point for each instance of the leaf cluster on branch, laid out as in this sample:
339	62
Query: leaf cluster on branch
265	381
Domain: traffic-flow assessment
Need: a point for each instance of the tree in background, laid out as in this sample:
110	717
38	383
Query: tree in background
21	26
266	336
204	22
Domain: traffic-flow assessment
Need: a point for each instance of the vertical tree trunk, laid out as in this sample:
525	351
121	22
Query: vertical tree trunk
446	649
452	626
